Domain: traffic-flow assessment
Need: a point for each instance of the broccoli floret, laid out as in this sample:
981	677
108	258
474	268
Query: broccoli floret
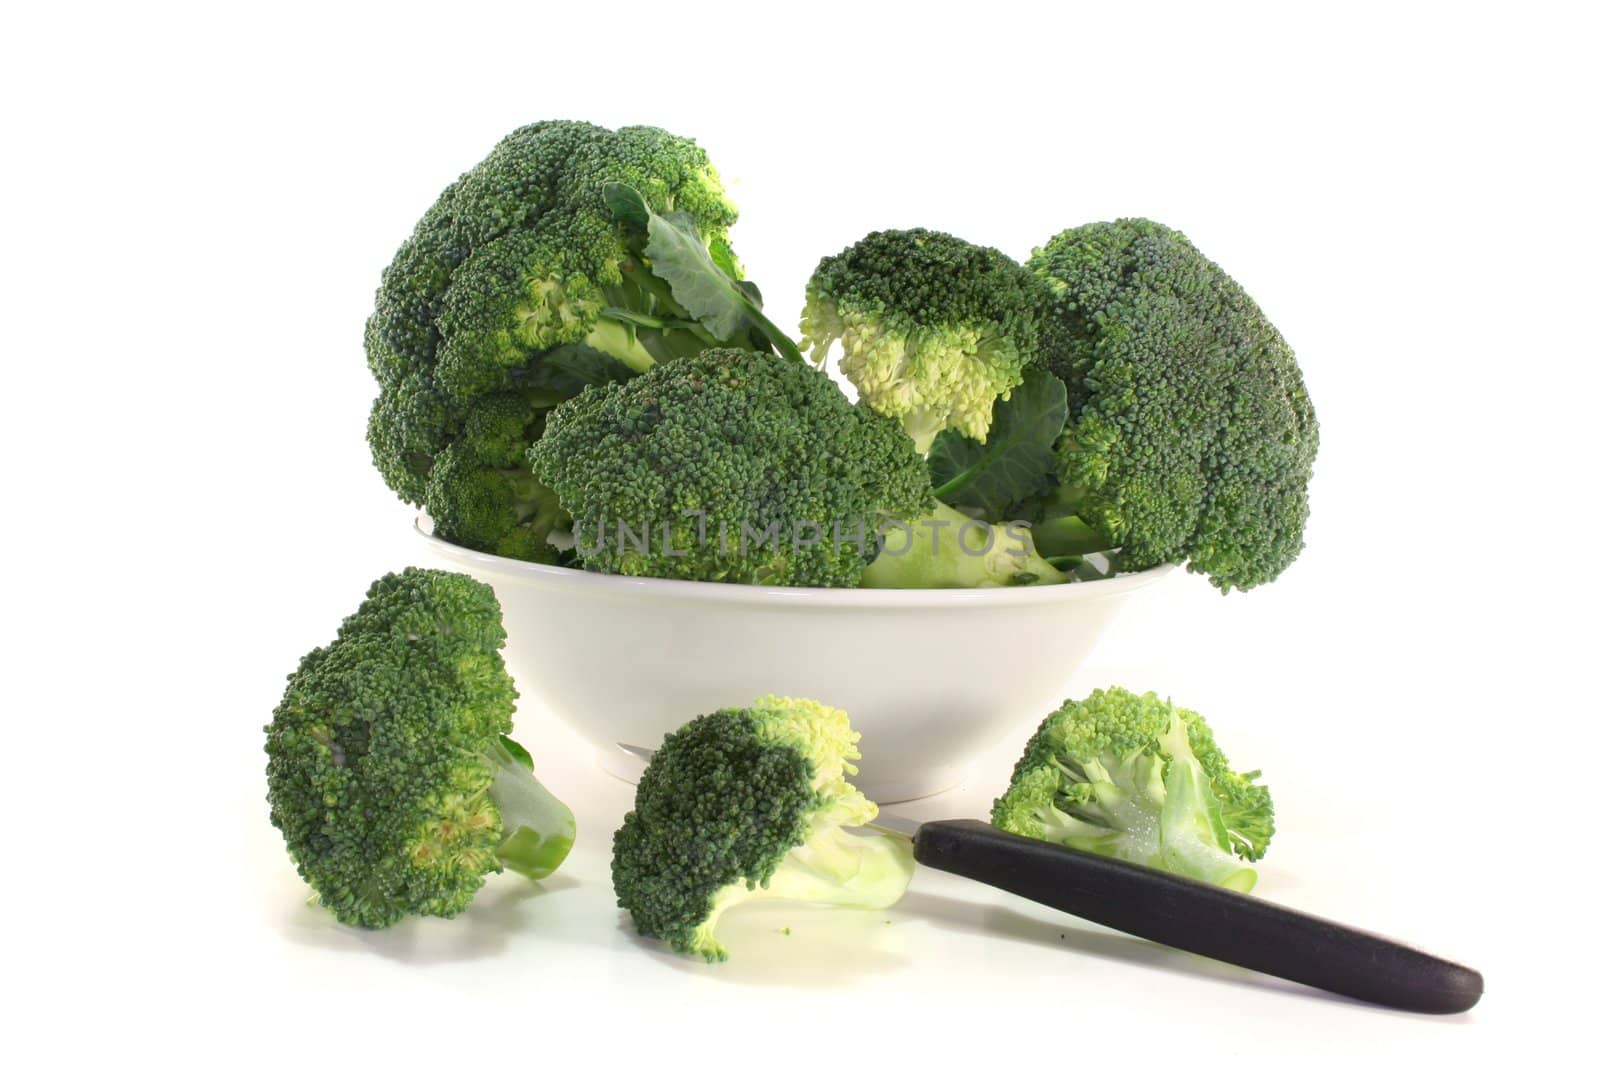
389	771
520	287
745	804
729	466
1136	778
1190	434
481	480
933	329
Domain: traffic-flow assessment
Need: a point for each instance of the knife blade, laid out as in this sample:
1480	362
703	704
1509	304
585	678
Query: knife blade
1188	914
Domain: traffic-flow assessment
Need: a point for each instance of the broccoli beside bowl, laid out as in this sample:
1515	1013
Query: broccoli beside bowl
628	659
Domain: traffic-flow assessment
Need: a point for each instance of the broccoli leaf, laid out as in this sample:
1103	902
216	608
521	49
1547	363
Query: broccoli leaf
1016	461
627	206
517	752
699	277
722	256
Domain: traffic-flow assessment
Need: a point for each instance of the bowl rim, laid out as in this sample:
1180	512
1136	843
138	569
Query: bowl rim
795	596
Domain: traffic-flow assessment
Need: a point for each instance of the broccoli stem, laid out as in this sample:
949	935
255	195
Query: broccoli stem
531	501
959	481
646	324
948	549
769	329
655	322
621	342
780	340
833	868
1208	864
1193	839
1068	535
922	426
538	829
844	870
1149	809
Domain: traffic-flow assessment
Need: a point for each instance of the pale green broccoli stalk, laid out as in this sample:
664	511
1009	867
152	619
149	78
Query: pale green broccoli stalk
523	285
537	830
745	804
933	329
948	549
389	771
1136	778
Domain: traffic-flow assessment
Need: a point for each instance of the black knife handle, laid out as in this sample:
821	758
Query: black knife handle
1201	918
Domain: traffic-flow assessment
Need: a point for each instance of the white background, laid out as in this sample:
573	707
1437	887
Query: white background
199	203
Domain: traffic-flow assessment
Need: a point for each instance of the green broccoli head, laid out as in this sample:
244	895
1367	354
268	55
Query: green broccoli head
1190	435
388	769
519	288
933	329
749	803
730	466
1139	779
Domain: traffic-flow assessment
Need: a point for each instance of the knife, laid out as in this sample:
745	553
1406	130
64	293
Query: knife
1189	914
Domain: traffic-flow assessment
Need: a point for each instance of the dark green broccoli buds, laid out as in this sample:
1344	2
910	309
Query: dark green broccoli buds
519	288
1190	435
729	466
389	771
751	803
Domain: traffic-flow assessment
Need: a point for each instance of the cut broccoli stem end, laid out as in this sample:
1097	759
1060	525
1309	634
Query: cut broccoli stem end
538	829
833	868
844	870
1209	865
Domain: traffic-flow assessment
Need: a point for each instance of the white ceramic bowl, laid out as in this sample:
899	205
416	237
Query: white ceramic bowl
933	678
